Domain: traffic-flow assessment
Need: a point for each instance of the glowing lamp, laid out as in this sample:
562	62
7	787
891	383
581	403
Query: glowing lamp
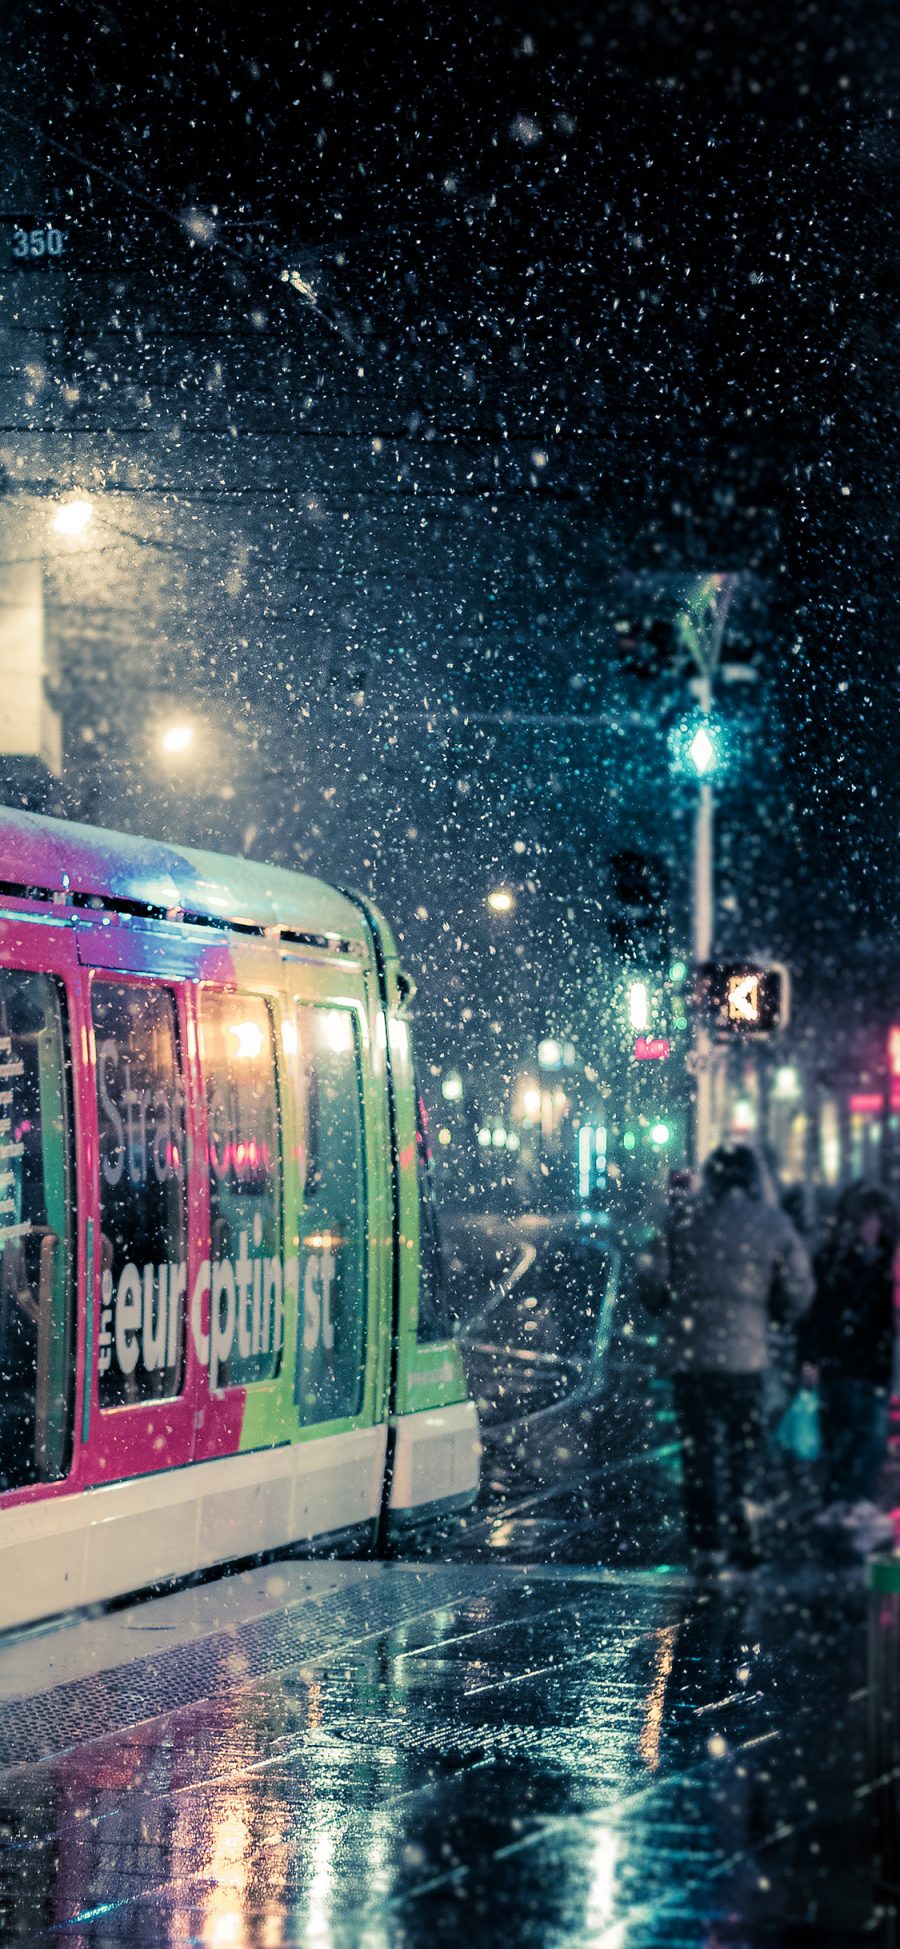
72	518
177	738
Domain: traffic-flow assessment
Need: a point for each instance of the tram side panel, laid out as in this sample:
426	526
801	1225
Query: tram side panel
198	1230
198	1342
437	1452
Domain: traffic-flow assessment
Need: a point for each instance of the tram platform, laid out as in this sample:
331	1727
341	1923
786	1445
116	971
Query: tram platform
409	1754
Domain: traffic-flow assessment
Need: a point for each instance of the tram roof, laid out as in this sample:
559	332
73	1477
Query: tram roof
59	856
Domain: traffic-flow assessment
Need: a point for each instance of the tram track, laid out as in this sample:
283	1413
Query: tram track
562	1397
571	1485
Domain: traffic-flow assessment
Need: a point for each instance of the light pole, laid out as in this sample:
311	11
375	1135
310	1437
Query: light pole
702	626
703	928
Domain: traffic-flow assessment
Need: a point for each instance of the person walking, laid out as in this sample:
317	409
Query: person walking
848	1341
725	1252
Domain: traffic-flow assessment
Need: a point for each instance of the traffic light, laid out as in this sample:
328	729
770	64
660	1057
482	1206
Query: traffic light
740	998
638	919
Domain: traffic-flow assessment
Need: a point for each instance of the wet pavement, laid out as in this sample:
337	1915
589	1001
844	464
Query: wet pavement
401	1755
534	1728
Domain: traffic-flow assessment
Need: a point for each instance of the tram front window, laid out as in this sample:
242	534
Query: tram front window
35	1286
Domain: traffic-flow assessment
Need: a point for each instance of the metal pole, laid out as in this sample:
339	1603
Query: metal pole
702	630
704	927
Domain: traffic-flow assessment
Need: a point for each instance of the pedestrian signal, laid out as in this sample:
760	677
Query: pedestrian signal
738	999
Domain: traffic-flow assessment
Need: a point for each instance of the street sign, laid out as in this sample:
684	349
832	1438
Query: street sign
32	241
739	998
744	999
652	1048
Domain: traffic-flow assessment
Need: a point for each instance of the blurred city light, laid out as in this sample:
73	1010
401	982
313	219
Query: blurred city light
660	1134
702	751
339	1030
678	971
72	518
452	1089
250	1038
550	1054
177	738
531	1103
638	1005
787	1083
501	901
696	745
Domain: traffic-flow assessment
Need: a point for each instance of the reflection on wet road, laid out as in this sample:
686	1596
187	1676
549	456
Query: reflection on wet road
580	1460
532	1729
521	1757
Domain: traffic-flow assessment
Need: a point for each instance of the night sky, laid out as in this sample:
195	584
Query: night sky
423	358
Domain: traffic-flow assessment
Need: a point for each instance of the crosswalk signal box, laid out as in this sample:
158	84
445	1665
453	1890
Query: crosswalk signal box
738	998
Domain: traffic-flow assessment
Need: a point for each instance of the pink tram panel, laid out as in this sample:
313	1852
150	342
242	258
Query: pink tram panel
99	1033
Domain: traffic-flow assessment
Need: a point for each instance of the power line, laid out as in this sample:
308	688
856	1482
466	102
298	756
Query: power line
159	209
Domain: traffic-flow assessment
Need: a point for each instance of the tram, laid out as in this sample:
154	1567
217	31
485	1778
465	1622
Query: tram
222	1319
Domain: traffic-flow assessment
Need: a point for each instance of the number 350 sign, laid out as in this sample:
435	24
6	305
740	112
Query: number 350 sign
29	246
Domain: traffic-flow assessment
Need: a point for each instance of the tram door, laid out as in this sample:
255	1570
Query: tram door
337	1198
338	1209
252	1284
139	1412
39	1233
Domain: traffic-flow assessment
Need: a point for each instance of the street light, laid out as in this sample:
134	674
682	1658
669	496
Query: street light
72	518
177	738
638	1005
501	901
702	626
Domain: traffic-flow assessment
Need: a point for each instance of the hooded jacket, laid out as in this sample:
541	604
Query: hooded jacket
723	1256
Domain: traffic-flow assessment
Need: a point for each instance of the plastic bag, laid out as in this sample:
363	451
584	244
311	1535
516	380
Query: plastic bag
798	1430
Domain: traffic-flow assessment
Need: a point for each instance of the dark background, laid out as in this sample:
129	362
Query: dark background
586	303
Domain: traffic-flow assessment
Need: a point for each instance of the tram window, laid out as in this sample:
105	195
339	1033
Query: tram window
143	1193
36	1365
435	1320
331	1348
246	1280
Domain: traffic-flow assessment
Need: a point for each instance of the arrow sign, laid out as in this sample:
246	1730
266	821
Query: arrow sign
740	999
743	998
